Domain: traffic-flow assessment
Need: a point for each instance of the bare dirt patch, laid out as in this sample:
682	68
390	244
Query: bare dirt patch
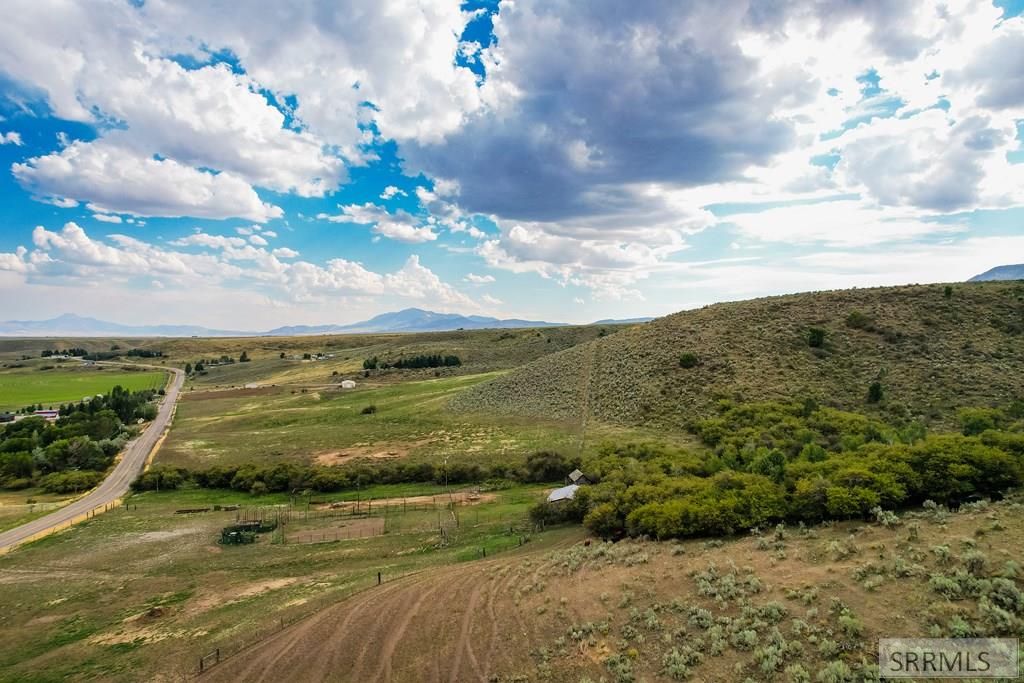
376	451
210	599
456	497
345	531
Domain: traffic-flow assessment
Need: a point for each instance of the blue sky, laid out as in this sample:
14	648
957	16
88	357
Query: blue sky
323	162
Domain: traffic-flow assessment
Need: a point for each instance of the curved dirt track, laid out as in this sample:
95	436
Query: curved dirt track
457	623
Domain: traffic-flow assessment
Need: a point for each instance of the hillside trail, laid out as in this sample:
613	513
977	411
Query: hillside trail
585	381
454	623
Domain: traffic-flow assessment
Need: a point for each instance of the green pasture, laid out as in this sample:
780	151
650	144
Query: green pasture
32	384
328	426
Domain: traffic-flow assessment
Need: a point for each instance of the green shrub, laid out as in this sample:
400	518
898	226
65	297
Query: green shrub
160	479
70	482
745	639
816	337
859	321
974	421
836	671
796	673
1007	595
945	586
960	627
369	410
688	360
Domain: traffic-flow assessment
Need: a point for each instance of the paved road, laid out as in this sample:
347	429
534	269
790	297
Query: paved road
116	484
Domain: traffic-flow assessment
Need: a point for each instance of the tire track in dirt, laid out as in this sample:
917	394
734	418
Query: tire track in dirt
455	623
394	637
497	585
464	646
335	659
266	655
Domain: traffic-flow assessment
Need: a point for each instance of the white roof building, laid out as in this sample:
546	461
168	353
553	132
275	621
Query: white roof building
564	493
348	384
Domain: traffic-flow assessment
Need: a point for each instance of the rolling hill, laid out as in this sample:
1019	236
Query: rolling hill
1009	272
929	352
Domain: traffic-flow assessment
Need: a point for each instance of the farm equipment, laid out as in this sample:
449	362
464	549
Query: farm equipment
245	532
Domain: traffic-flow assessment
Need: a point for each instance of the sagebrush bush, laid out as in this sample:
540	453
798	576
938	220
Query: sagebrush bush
689	360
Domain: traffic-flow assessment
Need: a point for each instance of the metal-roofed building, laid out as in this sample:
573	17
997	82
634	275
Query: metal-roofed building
564	493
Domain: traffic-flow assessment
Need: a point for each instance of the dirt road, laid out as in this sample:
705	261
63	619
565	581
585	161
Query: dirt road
457	623
132	461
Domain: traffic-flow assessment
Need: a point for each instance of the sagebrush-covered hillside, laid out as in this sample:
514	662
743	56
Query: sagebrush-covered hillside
928	348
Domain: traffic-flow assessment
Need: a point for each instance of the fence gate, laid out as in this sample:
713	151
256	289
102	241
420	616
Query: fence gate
206	661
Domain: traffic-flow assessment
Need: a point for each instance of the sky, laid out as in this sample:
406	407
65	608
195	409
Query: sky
324	161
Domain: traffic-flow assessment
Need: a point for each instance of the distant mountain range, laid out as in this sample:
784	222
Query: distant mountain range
622	321
412	320
408	320
1012	272
71	325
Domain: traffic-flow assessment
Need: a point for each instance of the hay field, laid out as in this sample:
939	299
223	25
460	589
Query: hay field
67	382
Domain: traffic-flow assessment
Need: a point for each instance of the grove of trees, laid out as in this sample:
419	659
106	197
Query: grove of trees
433	360
68	454
772	462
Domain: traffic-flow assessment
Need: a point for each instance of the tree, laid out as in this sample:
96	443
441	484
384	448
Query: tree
188	368
859	321
244	358
974	421
875	392
544	466
948	291
816	337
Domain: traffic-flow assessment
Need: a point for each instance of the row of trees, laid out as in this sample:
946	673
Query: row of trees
544	466
433	360
199	367
144	353
74	351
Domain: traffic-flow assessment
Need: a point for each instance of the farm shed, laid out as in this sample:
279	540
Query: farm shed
348	384
564	493
577	477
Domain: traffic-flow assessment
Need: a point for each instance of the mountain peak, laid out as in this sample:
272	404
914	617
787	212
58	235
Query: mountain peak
1007	272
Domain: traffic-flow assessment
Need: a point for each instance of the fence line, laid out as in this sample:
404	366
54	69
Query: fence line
399	516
